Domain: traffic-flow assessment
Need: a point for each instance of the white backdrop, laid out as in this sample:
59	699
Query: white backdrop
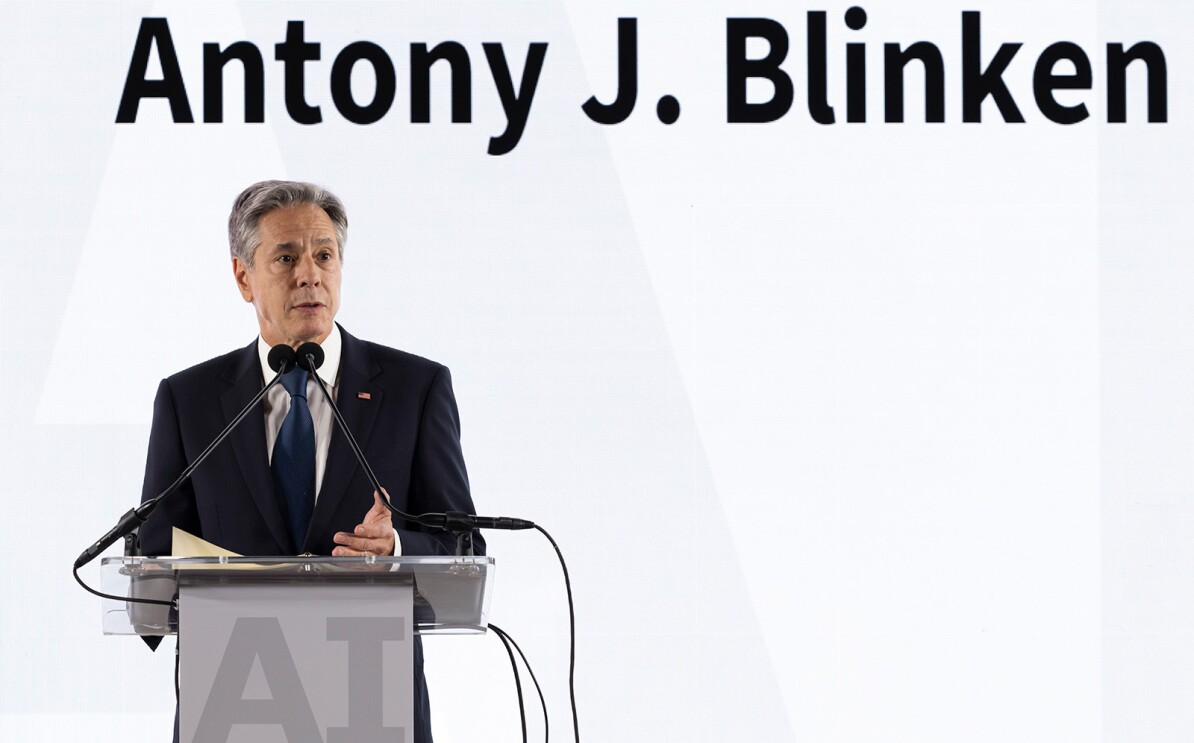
853	433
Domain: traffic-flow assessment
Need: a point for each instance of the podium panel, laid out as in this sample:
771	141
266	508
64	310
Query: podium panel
287	662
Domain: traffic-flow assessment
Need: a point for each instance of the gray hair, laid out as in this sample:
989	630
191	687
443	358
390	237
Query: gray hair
262	198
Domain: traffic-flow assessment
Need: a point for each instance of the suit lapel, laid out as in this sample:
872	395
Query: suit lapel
248	442
357	369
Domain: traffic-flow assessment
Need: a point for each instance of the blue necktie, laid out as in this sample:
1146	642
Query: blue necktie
294	459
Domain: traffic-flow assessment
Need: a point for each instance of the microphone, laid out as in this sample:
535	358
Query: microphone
455	521
310	357
281	359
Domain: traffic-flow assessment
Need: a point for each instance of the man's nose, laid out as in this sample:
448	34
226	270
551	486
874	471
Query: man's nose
307	273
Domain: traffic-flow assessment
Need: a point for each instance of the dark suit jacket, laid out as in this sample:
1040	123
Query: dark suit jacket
408	427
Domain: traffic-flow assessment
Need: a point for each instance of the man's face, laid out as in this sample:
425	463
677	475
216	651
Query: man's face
295	280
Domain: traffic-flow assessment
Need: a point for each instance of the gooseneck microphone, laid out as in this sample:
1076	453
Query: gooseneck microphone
281	359
310	357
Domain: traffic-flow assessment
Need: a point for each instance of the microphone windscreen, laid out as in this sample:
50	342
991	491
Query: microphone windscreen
314	351
282	358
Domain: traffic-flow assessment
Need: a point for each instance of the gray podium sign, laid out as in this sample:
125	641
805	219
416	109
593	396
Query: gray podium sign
295	662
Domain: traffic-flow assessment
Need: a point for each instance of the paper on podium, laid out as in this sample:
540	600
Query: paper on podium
185	544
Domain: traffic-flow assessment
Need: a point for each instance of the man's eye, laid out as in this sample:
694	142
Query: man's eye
285	259
325	255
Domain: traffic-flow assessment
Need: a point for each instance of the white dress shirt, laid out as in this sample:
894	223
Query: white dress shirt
277	402
277	405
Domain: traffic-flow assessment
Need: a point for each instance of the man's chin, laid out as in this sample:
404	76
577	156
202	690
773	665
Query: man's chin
316	333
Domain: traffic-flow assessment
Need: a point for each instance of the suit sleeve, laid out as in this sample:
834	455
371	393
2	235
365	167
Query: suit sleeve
164	462
439	481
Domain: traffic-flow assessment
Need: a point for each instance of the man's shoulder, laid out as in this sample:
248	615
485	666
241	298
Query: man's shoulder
387	355
225	366
389	360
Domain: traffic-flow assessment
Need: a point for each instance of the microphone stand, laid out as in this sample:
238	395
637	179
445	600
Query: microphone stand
458	523
280	360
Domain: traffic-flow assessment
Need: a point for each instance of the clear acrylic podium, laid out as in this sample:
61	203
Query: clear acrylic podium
296	648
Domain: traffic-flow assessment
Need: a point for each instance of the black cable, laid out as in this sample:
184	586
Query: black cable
522	710
571	634
542	702
129	599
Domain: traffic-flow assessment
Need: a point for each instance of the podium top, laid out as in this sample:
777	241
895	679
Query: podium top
451	594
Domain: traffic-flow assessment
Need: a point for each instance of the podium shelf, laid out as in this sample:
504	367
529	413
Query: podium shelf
451	594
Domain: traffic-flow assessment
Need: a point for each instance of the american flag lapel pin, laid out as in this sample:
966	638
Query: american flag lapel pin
364	396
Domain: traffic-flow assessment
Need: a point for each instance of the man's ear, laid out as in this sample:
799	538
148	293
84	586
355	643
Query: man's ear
241	271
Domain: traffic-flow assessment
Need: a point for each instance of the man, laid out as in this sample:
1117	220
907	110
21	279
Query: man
286	481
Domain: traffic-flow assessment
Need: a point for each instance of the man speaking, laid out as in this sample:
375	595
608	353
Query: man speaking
286	481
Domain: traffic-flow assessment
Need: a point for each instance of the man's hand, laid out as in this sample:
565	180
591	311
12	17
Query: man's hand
373	536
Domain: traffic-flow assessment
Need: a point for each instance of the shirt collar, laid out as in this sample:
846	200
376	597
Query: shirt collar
330	370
